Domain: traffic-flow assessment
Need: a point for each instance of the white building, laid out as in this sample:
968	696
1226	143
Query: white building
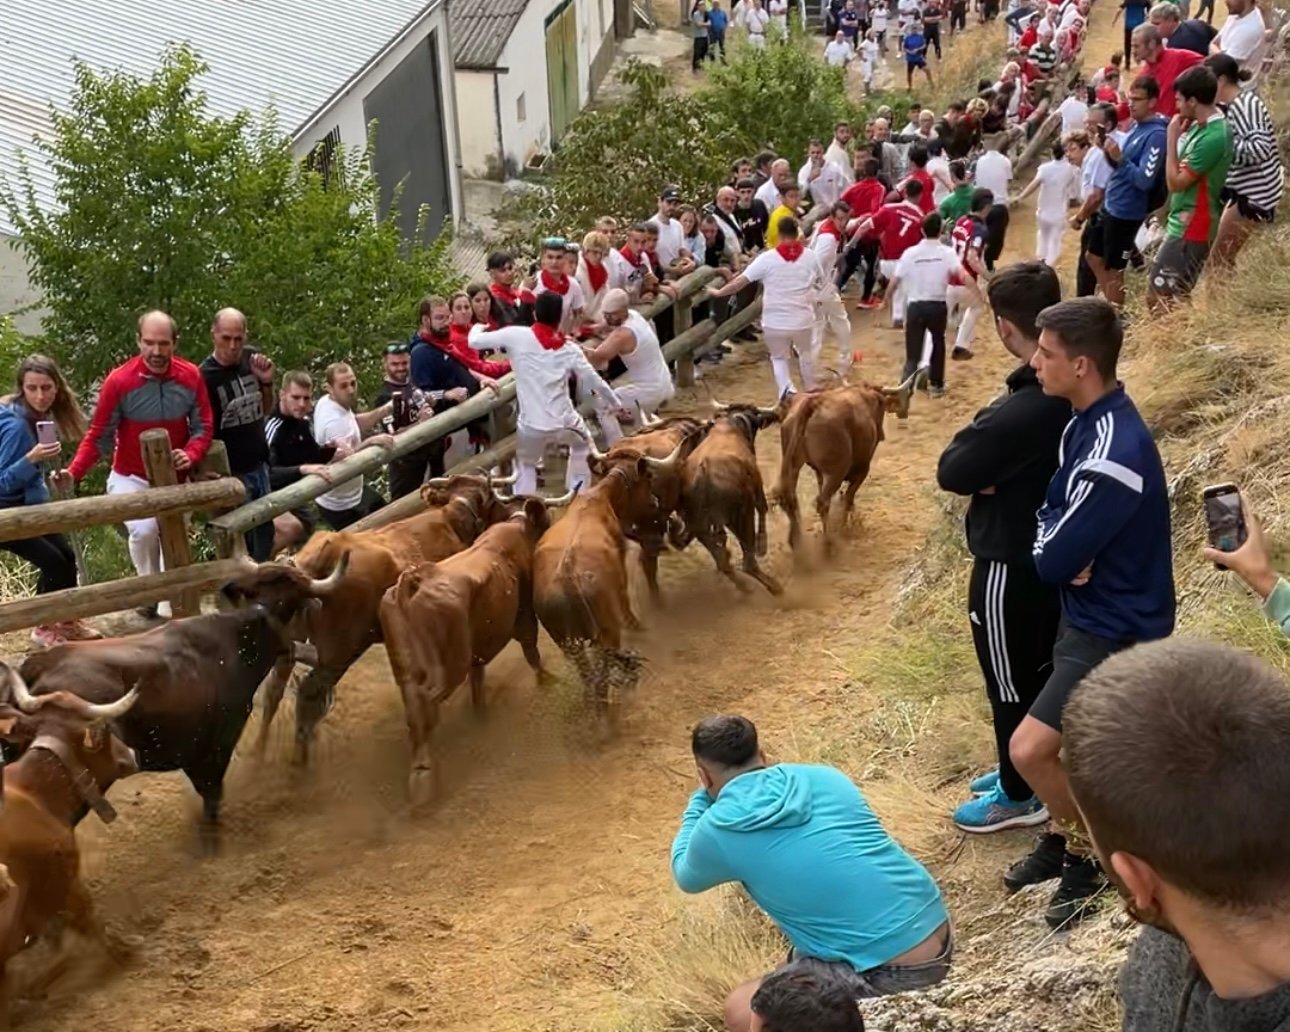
525	68
328	69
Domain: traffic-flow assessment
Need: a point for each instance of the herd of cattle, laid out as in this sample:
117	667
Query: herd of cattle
445	590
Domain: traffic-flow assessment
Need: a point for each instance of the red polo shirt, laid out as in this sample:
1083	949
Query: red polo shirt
1168	66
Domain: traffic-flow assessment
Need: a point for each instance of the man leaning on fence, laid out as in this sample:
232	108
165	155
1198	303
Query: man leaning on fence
239	381
155	390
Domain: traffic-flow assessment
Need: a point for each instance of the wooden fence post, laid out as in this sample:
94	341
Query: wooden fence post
60	492
175	552
681	321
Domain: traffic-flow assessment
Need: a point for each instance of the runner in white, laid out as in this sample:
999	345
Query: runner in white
543	362
826	244
791	280
1058	183
632	339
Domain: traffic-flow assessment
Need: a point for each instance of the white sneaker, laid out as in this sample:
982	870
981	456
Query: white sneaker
164	610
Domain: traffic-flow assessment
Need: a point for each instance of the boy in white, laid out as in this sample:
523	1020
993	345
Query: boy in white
633	340
554	278
791	280
994	173
543	361
1057	181
879	15
826	245
869	54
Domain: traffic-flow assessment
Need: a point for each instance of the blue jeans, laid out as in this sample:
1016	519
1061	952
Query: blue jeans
259	540
883	980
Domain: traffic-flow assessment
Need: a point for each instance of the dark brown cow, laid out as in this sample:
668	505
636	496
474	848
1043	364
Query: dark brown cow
721	487
70	761
348	622
444	622
835	431
580	575
657	440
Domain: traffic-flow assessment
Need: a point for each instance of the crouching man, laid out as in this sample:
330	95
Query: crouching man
857	909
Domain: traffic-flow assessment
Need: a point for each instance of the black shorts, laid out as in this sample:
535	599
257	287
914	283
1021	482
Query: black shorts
1116	241
1248	211
1178	265
308	518
1074	655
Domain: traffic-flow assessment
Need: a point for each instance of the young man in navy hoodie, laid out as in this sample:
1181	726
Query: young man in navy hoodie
1103	538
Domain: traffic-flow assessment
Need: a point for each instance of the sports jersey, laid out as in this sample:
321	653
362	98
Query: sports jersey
927	199
969	234
899	227
1206	151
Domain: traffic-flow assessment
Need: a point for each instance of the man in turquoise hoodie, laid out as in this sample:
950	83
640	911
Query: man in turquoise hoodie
801	839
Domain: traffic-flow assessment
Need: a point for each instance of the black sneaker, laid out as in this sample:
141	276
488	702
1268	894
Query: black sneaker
1082	882
1043	863
148	612
961	354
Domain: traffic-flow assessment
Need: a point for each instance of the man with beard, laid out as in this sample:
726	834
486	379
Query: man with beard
1150	732
408	406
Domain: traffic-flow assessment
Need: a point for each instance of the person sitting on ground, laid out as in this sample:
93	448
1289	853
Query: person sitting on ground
293	453
1152	730
798	1001
858	910
32	423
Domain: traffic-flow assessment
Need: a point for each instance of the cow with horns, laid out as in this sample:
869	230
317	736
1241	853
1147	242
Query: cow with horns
580	581
835	431
444	621
721	487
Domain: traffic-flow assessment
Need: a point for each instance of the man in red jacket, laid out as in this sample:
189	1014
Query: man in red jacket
155	389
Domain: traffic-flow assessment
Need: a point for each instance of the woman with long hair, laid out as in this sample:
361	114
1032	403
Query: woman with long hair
463	317
483	306
34	422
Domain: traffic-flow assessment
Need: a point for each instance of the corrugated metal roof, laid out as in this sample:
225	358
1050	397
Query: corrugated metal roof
480	29
292	54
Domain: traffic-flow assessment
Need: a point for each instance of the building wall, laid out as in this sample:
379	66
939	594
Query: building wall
346	111
477	113
524	59
16	290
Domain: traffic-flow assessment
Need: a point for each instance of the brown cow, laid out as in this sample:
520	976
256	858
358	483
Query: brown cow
657	440
721	487
580	576
835	431
347	623
71	760
445	621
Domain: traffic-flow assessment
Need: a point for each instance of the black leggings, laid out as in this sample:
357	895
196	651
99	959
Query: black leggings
932	33
923	317
996	226
867	252
52	556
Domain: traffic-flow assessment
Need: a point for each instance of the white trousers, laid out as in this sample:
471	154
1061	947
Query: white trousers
531	445
969	313
887	267
833	316
1048	246
636	398
144	535
781	344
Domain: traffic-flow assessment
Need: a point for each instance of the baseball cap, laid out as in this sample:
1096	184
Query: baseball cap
670	193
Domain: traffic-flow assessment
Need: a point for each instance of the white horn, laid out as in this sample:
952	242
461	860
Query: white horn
670	462
111	710
497	481
22	696
562	500
719	406
327	586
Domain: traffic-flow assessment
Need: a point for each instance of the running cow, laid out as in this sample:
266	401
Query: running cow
721	487
445	621
580	574
70	761
836	432
196	680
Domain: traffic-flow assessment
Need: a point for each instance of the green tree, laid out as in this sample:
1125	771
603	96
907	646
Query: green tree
162	204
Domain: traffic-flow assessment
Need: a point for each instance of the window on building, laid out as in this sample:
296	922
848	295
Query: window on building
322	159
521	111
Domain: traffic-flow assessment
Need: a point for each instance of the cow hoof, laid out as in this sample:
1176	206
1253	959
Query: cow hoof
421	789
300	755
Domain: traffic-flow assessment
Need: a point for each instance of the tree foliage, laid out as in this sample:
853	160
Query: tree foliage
162	204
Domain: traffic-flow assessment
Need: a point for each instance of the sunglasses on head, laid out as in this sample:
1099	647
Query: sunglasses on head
555	243
397	349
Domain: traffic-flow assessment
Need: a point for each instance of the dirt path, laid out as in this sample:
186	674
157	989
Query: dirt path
528	900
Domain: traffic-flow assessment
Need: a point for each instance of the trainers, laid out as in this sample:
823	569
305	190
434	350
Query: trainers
960	354
47	636
983	783
935	391
1082	882
164	611
1043	863
78	630
868	304
994	811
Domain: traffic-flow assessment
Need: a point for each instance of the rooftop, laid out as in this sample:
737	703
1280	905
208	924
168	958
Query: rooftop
480	29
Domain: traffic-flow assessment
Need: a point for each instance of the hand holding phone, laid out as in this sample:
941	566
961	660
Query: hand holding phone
1250	561
1224	518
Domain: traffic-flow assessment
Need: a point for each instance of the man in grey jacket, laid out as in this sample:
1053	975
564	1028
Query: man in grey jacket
1177	758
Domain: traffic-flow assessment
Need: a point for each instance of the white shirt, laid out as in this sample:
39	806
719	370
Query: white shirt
542	378
927	269
1241	37
907	9
869	51
1069	13
671	239
779	11
757	20
839	156
626	276
1046	30
768	194
1056	188
646	366
994	173
334	422
825	248
789	289
573	301
838	54
1072	110
698	248
879	15
1094	172
594	297
939	169
825	188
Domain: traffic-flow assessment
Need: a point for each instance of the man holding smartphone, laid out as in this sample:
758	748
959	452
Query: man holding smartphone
1003	460
1104	541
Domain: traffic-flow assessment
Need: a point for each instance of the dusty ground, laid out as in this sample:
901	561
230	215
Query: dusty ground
534	895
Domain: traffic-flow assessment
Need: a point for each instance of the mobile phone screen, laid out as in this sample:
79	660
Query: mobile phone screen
1225	520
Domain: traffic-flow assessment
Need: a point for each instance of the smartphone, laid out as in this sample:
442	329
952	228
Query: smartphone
1224	518
46	432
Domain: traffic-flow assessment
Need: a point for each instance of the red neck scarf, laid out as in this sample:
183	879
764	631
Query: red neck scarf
506	295
597	275
556	286
790	250
630	255
439	340
549	337
828	226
